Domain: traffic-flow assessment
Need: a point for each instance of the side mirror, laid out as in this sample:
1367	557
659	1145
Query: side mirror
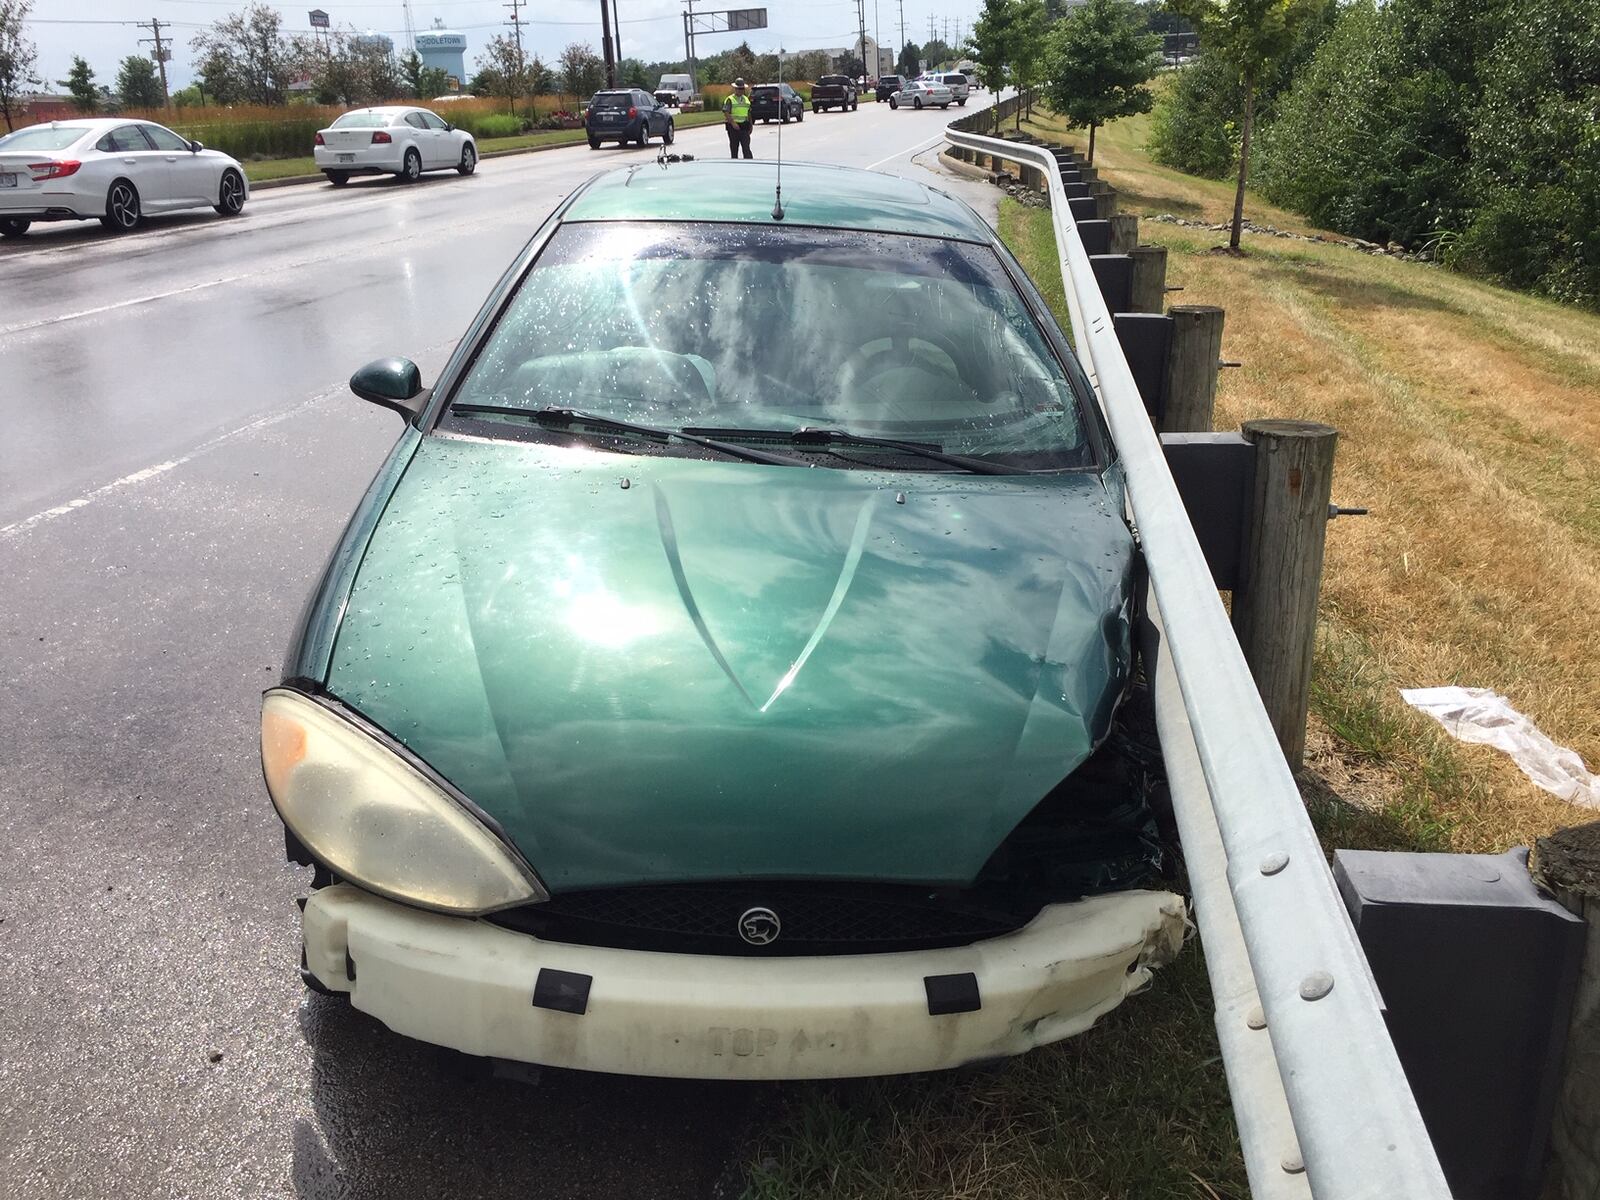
392	382
448	127
196	147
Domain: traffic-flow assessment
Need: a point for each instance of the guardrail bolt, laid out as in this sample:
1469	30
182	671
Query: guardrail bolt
1256	1019
1316	985
1293	1164
1274	862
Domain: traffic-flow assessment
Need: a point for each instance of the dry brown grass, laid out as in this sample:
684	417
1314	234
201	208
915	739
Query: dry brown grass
1470	424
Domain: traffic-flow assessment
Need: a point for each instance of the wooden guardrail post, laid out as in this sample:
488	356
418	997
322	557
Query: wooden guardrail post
1124	233
1191	383
1275	604
1149	275
1567	865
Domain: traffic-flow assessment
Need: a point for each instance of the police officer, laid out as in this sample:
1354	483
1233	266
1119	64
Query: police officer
738	121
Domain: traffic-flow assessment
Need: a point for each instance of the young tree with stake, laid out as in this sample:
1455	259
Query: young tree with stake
990	43
80	82
1097	63
1251	37
17	58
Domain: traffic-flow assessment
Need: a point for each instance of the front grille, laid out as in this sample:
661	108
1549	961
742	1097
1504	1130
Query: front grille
815	918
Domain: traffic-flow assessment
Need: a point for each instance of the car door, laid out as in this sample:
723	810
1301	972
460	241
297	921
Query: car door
135	158
447	141
655	115
420	136
191	179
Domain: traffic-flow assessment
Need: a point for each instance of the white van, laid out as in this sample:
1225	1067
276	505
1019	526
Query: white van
679	85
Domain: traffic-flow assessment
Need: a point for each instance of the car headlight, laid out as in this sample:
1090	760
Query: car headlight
375	819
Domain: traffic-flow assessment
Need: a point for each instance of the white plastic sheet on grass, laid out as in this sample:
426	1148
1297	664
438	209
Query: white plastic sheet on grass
1486	717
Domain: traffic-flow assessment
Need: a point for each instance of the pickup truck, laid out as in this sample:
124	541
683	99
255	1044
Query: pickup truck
835	91
888	85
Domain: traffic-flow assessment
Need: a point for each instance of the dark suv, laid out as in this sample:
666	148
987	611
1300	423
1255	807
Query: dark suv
627	115
776	102
889	85
834	91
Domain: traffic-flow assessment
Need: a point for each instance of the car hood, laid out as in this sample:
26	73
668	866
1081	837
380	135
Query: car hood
654	669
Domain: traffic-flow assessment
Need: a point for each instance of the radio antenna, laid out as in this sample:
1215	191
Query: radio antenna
777	200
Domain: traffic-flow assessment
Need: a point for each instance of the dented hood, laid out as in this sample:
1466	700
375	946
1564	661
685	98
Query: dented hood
654	669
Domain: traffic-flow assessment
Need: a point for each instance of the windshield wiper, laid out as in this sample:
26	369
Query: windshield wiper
565	418
808	436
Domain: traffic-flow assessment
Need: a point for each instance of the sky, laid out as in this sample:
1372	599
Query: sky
105	31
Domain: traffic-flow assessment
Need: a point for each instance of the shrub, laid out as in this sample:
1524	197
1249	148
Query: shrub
487	125
1195	124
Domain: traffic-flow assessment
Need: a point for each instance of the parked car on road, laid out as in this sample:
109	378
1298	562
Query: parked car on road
960	86
115	170
627	115
776	102
922	93
731	696
888	85
835	91
399	140
668	97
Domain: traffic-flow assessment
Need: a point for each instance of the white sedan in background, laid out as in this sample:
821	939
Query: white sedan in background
392	141
113	169
922	93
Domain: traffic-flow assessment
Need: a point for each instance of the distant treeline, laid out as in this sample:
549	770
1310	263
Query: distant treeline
1471	127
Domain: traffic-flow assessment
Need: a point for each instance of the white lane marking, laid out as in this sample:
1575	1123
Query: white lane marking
105	308
161	468
917	149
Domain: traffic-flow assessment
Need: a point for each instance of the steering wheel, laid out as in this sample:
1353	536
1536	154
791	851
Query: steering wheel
874	359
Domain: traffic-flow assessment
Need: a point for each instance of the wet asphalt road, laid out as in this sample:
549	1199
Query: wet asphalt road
178	455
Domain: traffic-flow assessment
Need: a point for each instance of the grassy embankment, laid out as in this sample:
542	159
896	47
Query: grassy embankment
1470	424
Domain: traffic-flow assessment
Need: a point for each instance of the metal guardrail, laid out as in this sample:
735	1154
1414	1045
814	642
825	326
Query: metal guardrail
1360	1136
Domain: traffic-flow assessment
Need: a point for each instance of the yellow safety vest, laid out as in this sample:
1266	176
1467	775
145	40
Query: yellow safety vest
737	107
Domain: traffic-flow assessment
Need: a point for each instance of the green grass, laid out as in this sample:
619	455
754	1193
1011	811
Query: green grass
1136	1108
284	168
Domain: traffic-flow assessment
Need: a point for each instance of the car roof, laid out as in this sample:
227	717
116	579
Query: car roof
813	194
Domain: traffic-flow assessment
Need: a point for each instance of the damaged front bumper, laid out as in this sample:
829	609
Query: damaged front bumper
482	989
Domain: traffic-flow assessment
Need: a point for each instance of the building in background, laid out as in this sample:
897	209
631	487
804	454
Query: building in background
445	49
875	54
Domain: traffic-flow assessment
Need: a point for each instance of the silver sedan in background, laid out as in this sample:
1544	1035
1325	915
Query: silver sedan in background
922	93
114	170
396	140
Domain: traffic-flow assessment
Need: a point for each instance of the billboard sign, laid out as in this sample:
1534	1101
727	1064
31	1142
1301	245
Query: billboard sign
319	19
747	18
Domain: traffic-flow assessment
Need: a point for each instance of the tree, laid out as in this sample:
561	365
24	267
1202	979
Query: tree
80	82
138	85
411	72
582	72
990	42
631	73
936	53
1097	63
17	58
244	57
910	57
1030	27
1251	37
541	80
502	70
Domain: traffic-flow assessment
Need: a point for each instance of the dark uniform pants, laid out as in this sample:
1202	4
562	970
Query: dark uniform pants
739	139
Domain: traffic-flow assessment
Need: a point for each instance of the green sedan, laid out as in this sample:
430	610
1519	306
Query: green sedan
718	678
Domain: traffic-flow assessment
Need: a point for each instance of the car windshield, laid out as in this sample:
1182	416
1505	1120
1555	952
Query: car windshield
747	327
833	79
43	137
362	120
765	92
612	100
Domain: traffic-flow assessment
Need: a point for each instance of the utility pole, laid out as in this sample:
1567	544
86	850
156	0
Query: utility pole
605	42
688	44
161	53
616	32
516	22
877	32
861	20
411	28
902	44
